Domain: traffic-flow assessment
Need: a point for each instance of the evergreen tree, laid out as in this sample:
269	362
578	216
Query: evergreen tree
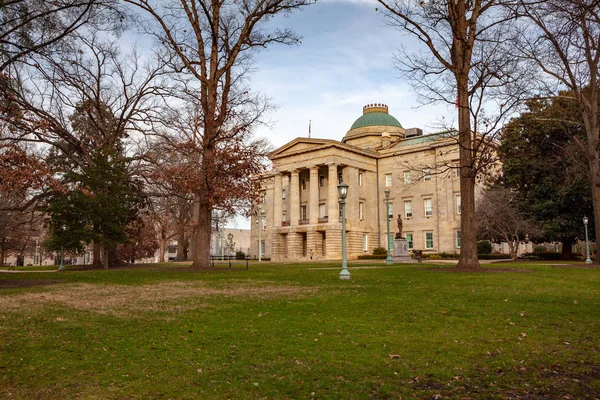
101	196
544	162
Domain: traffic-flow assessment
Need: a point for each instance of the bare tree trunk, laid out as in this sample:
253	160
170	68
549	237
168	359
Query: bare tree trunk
468	245
203	231
105	258
596	201
162	246
1	256
567	249
96	255
180	245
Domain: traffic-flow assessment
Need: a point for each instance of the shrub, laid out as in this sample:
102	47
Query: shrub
549	256
539	249
240	255
439	256
379	251
484	247
497	256
372	257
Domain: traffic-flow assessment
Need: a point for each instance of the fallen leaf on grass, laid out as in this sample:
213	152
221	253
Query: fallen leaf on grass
392	356
263	314
60	319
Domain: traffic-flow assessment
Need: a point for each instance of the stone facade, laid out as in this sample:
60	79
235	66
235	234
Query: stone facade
299	196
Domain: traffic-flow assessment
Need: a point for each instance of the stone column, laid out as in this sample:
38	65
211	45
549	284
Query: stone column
277	201
332	195
294	198
313	213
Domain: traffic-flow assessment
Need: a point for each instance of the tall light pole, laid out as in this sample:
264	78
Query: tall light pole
260	215
62	251
343	193
587	242
388	260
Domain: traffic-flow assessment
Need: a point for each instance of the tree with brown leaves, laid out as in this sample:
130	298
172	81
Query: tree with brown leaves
211	45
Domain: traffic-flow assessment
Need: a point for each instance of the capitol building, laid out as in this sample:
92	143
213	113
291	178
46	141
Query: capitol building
301	216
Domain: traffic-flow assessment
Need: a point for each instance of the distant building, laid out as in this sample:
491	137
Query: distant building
300	195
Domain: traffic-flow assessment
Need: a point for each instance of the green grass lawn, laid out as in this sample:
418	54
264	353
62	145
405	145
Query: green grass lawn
296	331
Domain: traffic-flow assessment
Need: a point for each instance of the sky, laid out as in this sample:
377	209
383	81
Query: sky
345	61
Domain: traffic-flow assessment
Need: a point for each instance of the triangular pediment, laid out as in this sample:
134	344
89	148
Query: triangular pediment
300	145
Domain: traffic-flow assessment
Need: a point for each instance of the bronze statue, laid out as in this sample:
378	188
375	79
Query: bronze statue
399	234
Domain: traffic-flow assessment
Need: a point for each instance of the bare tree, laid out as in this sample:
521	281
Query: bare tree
32	27
466	64
564	41
212	43
81	103
499	219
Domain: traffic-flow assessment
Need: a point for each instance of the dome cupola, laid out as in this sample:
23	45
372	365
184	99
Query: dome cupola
368	129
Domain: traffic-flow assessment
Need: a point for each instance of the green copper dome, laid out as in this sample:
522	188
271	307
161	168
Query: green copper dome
375	119
375	115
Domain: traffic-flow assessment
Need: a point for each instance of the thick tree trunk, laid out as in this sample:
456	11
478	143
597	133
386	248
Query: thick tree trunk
468	238
567	249
180	245
105	257
96	262
203	231
596	202
1	256
162	246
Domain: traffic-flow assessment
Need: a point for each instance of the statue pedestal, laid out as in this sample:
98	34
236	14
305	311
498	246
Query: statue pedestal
400	253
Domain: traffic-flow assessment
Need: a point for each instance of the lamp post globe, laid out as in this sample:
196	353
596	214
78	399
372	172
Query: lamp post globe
588	260
343	193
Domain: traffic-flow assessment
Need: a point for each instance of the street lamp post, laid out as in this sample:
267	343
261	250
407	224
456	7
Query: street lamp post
62	251
260	214
343	193
388	260
587	242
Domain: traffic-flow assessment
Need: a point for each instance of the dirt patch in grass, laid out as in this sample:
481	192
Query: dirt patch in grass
129	301
23	283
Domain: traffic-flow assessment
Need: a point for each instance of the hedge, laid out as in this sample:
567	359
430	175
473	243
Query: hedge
372	257
549	255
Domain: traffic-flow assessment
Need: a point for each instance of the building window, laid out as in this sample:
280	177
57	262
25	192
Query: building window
457	170
409	240
458	204
283	194
391	210
360	177
428	206
303	212
427	174
264	223
360	210
322	210
263	197
429	240
340	178
388	180
262	247
407	178
407	208
321	181
458	239
303	183
284	216
365	242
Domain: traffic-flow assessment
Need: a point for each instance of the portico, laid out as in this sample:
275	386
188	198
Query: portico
300	196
